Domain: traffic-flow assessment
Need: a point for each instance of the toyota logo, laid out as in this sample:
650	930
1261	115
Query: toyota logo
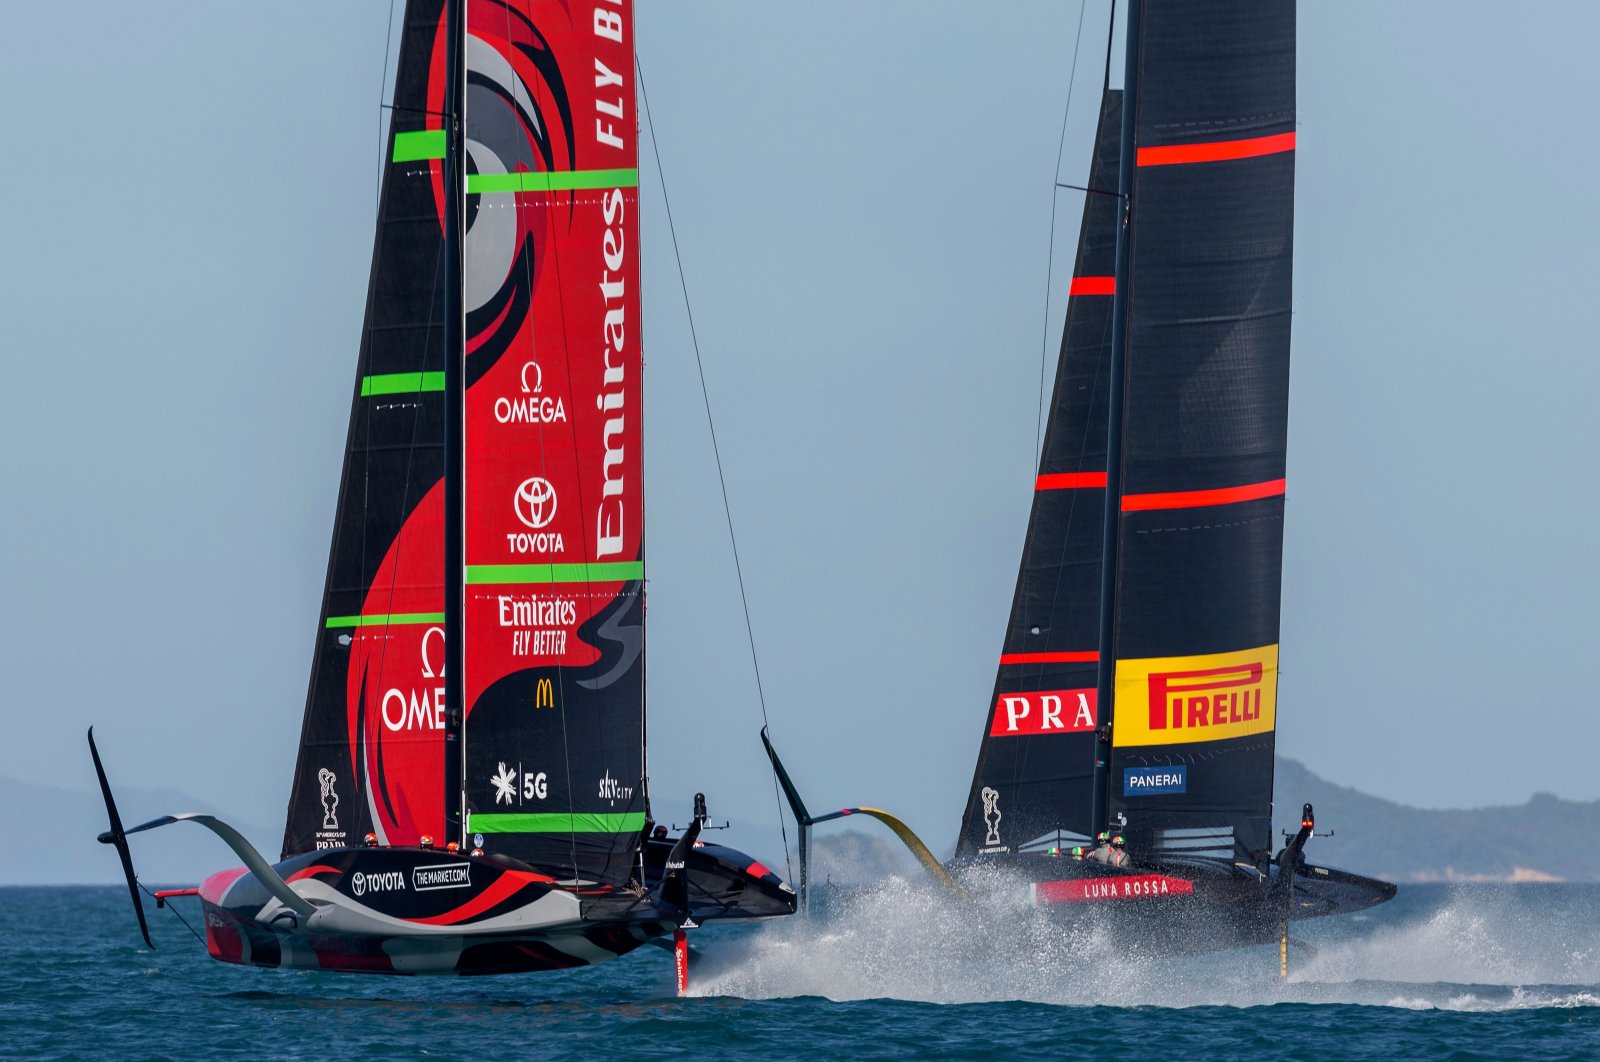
535	502
358	883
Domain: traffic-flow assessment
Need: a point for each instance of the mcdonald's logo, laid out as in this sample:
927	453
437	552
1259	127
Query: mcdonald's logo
544	694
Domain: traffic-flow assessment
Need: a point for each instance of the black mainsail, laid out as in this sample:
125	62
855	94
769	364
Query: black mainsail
1199	517
1154	703
1039	741
1135	700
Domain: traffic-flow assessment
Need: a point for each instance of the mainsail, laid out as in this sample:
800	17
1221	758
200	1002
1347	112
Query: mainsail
372	742
549	473
1167	458
1039	741
1200	520
554	540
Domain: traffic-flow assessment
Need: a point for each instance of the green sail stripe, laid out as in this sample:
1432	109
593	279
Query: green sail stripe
392	620
553	181
401	383
422	144
598	572
557	822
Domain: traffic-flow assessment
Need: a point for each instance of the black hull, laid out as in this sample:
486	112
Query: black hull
1194	906
421	911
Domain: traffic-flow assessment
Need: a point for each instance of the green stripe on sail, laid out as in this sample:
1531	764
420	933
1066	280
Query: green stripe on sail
401	383
606	572
392	620
553	181
557	822
422	144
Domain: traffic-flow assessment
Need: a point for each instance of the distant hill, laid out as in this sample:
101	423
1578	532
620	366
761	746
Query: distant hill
1546	837
47	835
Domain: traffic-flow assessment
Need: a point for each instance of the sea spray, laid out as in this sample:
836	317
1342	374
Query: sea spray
1467	949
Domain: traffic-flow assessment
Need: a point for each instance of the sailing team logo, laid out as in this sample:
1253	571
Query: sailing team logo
535	502
1181	699
330	799
1043	712
991	815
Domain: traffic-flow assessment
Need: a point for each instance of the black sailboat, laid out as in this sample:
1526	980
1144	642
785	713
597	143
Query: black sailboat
1127	751
470	794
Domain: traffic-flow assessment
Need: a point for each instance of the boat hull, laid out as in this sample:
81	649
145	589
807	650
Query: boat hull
1185	907
420	911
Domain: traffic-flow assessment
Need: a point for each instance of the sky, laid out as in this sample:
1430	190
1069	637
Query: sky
862	197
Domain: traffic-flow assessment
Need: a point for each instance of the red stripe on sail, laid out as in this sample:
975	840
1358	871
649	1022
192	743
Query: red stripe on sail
1090	657
1190	499
1216	151
1093	286
1064	480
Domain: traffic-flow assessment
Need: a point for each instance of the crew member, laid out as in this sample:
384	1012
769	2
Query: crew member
1117	854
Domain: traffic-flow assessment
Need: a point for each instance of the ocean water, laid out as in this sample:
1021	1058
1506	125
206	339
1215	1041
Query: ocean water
892	972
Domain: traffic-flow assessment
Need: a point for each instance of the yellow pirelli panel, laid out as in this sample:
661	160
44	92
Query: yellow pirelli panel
1178	699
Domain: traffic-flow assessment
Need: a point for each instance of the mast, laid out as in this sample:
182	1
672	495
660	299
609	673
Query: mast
455	438
1106	676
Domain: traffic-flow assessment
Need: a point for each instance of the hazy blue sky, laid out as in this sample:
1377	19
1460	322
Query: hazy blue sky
862	195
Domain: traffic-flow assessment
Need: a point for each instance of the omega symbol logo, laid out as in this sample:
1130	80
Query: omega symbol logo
535	502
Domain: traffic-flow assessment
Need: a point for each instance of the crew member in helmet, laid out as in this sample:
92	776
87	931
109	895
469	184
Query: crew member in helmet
1117	855
1101	852
370	841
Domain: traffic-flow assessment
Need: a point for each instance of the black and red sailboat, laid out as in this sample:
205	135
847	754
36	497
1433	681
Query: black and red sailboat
1127	752
470	794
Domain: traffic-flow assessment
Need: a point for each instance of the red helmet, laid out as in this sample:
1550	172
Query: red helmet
426	841
370	840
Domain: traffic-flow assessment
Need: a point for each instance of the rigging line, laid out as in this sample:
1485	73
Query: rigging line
388	42
705	395
412	110
1091	191
174	909
1111	33
1050	261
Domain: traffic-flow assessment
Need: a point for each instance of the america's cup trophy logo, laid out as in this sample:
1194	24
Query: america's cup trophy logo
330	799
991	815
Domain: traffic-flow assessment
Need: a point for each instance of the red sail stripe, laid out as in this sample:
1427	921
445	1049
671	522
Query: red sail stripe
1089	657
1061	480
1093	286
1190	499
1216	151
